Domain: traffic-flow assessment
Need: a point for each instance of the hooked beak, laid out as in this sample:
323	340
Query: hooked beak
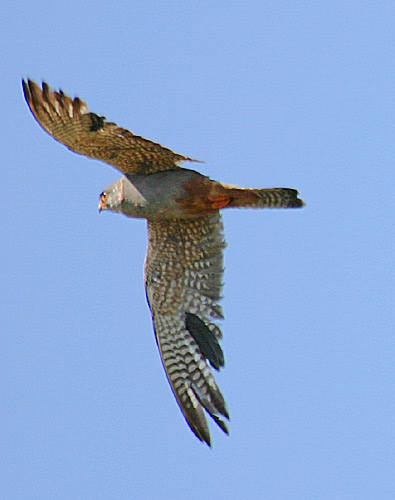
102	205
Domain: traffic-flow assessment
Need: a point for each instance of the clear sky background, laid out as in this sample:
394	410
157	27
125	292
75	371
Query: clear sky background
267	93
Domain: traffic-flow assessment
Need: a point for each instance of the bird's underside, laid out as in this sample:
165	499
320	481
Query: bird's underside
184	262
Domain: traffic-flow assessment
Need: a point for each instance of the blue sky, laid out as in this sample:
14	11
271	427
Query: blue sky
293	94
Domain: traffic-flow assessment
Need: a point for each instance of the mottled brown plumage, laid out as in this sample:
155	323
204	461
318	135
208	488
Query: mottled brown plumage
183	275
184	263
69	122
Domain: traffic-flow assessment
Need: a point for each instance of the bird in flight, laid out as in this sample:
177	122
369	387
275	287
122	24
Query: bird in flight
183	267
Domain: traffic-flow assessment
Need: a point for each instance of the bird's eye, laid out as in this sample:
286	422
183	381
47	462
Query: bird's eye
103	196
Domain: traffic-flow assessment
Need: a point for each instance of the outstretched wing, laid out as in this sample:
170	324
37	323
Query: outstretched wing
183	276
70	122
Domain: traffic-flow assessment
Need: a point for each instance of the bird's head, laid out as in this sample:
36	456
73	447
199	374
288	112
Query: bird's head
112	197
123	197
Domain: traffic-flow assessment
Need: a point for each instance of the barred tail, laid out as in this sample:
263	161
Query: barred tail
264	198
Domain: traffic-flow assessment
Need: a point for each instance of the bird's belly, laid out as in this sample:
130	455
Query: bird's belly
173	194
170	210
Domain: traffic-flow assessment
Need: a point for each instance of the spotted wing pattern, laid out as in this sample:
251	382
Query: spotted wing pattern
70	122
183	275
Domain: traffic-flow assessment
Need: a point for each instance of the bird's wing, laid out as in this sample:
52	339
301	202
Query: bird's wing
183	276
70	122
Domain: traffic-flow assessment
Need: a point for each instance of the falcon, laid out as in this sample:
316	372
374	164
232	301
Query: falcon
183	267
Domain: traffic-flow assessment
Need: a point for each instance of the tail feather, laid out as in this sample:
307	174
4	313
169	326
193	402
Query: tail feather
264	198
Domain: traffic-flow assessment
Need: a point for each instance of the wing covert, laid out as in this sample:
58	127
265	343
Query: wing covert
70	122
183	277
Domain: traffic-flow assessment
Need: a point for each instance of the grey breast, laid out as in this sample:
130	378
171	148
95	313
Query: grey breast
155	195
